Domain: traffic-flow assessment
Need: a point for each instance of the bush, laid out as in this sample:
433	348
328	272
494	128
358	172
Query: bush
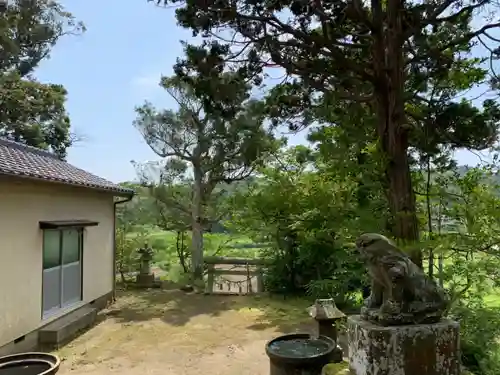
171	249
479	329
127	258
316	265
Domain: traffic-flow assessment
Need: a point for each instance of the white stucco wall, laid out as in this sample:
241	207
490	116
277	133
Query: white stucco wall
23	204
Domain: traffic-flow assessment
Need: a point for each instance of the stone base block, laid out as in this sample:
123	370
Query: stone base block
145	281
423	349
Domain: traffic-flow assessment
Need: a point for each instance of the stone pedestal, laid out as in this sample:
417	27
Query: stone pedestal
328	328
423	349
145	280
145	266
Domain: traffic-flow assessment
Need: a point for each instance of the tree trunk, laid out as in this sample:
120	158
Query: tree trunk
392	130
197	226
180	251
401	196
430	271
440	256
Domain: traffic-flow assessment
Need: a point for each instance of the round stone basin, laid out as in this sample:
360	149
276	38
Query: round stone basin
29	364
299	353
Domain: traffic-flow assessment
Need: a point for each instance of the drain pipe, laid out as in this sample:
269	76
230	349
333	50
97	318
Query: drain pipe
128	199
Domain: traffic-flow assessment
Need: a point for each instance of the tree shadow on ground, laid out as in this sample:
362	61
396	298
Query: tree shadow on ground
177	308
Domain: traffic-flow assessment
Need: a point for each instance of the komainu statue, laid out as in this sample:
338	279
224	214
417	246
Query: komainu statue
401	293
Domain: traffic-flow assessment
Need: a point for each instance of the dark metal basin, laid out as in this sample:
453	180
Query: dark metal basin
29	364
299	353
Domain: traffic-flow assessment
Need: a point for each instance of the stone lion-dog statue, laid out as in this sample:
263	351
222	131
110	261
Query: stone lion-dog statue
401	293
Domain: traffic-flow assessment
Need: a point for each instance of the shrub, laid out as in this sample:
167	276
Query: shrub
480	330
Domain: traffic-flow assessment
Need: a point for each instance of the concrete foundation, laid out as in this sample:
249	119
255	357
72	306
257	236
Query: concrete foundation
423	349
31	340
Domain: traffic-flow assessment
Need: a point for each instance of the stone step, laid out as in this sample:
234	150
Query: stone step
66	328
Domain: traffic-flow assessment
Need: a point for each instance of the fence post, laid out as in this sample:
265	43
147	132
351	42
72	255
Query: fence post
249	280
260	280
210	279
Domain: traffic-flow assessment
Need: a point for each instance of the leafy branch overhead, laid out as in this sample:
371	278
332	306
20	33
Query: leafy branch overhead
222	145
32	112
348	32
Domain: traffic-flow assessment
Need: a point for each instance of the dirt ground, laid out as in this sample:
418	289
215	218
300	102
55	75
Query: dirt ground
173	333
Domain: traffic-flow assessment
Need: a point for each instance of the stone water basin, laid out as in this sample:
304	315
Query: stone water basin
299	354
32	363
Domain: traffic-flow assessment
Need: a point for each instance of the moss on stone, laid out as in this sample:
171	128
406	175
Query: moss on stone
341	368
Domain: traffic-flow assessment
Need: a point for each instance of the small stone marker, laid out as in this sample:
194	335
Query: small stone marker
145	278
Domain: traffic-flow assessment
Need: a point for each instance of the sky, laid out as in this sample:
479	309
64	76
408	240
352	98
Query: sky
113	67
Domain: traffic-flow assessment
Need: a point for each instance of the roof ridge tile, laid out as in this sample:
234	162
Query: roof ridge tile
21	146
17	159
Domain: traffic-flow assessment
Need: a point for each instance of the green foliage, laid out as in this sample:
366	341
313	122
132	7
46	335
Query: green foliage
32	112
396	67
309	251
29	29
222	146
127	258
172	251
479	329
309	210
333	59
202	145
166	245
463	235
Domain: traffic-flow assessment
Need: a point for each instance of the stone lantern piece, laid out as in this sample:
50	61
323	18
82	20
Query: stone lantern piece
326	314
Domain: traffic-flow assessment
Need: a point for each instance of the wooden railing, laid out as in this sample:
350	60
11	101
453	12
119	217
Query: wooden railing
234	275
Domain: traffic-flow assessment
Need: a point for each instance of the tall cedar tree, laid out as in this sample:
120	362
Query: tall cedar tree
397	36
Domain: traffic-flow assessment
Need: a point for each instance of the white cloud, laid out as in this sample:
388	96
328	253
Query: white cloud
147	86
149	81
146	83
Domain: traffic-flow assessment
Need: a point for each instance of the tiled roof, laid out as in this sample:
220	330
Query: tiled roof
24	161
